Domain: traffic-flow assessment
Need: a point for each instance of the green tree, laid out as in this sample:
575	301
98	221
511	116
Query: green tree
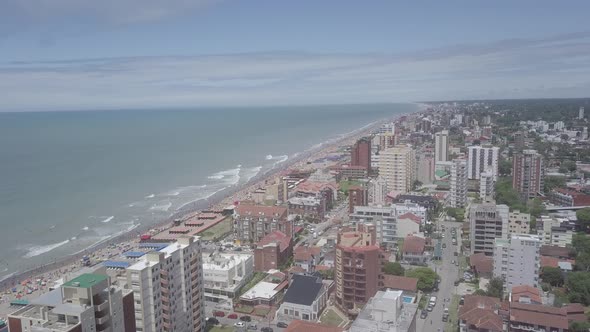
578	287
583	216
496	288
552	182
505	194
536	207
505	167
579	326
480	292
426	277
394	269
552	275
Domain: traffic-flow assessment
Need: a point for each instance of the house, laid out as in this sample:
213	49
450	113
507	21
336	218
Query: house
272	251
304	326
405	284
305	298
534	317
413	250
307	257
555	251
480	314
329	259
263	292
482	265
408	224
526	294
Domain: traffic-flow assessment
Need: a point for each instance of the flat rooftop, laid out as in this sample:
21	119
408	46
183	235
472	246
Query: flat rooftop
86	280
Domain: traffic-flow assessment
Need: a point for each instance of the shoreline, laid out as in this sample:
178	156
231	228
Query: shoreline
218	200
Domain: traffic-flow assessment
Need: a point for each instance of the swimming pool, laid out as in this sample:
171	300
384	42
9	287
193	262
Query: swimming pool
408	299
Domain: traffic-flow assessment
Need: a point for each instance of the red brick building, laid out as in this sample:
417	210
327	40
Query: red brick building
358	269
272	251
360	154
528	172
357	196
253	222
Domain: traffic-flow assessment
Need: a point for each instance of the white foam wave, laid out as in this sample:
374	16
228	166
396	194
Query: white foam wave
108	219
252	172
52	227
201	196
85	228
269	157
39	250
73	238
280	159
161	207
216	177
230	176
150	196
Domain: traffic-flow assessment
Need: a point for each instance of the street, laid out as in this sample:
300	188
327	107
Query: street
448	273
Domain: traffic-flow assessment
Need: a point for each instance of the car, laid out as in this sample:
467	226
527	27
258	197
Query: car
246	319
444	245
445	318
443	236
212	321
252	327
430	307
239	324
457	282
266	329
218	313
453	262
423	314
457	263
282	325
232	316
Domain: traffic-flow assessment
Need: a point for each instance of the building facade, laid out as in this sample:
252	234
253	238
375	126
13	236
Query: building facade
488	222
517	260
397	165
480	159
459	183
486	185
225	274
441	146
360	154
528	172
357	196
167	288
253	222
519	222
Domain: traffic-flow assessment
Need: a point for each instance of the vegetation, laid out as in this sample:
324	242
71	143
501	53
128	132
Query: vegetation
327	274
578	287
217	231
394	269
581	246
495	288
330	317
552	276
536	207
552	182
426	277
457	213
579	326
583	216
346	184
505	194
505	167
256	278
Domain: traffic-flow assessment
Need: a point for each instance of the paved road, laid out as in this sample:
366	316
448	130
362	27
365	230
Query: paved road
448	273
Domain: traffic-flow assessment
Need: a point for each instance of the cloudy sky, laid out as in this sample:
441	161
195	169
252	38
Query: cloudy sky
114	54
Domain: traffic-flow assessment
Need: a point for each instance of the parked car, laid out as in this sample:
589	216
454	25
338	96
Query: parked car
423	314
232	316
252	327
266	329
462	300
282	325
212	321
218	313
239	324
457	282
246	319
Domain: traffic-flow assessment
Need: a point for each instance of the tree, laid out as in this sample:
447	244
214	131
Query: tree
583	216
496	288
394	269
552	182
505	194
457	213
536	207
426	278
552	275
327	274
579	326
505	167
578	287
480	292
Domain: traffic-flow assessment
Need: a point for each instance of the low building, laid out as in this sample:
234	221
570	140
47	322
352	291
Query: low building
525	294
225	274
482	265
568	197
426	201
87	303
561	236
480	314
386	312
406	284
534	317
272	251
305	299
408	224
307	257
263	292
413	250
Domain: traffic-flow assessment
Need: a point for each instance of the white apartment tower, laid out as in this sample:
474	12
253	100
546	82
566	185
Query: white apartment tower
488	222
397	165
441	146
377	191
486	185
517	260
459	183
168	288
480	159
581	113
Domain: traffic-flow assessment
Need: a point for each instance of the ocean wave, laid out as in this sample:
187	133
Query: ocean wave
164	207
150	196
39	250
85	228
280	159
252	172
108	219
202	196
269	157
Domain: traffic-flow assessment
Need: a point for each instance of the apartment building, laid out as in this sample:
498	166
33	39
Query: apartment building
359	261
87	303
253	222
441	146
488	222
225	274
377	191
519	222
168	288
480	159
459	183
486	185
528	172
386	312
517	260
397	165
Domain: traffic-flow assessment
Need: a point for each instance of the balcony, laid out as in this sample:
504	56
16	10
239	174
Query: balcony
103	320
101	307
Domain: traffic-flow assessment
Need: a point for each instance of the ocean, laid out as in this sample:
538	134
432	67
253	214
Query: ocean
69	180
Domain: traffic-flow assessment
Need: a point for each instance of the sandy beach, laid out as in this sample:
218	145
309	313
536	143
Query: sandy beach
34	282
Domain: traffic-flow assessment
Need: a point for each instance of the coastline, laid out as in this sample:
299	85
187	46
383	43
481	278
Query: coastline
218	200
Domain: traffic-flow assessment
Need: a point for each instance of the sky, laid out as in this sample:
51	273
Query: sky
119	54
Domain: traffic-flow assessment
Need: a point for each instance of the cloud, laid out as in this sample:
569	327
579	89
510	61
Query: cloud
106	11
558	66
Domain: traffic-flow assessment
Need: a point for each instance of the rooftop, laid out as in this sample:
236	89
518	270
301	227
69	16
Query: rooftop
414	244
400	283
385	312
277	237
86	280
262	290
303	289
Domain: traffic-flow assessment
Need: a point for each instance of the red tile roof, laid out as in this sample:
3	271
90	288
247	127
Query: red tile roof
305	253
276	237
411	216
481	263
526	291
481	311
323	268
548	261
538	315
554	251
414	245
303	326
400	283
314	187
262	211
